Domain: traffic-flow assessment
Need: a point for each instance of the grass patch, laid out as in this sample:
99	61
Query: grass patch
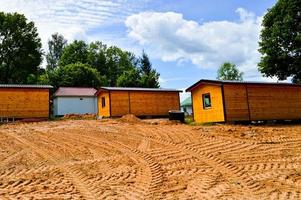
202	124
189	120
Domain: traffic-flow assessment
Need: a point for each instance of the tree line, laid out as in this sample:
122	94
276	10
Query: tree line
68	64
95	64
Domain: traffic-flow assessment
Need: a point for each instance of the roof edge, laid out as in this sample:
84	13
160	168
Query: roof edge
222	82
214	82
27	86
74	95
138	89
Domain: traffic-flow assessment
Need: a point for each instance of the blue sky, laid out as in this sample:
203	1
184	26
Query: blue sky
186	40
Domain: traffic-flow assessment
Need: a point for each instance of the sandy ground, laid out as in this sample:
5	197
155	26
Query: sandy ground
113	159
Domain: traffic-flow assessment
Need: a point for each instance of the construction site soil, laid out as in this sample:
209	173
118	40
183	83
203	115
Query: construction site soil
137	159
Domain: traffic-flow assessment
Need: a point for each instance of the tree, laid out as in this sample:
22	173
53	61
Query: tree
280	43
149	76
97	57
116	66
229	71
117	62
145	64
20	49
78	75
55	49
129	78
76	52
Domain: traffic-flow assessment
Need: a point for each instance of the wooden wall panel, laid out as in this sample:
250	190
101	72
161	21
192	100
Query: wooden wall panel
119	103
24	103
103	111
153	103
236	102
274	102
213	114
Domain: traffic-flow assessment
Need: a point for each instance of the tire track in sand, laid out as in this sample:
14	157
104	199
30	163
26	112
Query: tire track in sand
249	185
71	174
152	177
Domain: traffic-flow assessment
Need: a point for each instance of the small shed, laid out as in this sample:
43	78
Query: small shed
230	101
118	101
186	106
74	100
24	101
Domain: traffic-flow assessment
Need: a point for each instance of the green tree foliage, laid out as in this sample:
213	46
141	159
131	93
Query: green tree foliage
78	75
76	52
55	49
20	49
97	56
149	76
129	78
117	62
229	71
114	66
280	43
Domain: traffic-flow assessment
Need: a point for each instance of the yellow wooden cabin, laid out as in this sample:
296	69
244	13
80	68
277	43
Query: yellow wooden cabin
118	101
24	101
230	101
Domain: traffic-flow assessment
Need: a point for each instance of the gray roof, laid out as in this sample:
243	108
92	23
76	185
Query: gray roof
221	82
25	86
139	89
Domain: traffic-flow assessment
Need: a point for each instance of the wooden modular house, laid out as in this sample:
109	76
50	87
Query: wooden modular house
24	101
118	101
230	101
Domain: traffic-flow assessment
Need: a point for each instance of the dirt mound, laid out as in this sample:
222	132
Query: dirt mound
130	118
79	116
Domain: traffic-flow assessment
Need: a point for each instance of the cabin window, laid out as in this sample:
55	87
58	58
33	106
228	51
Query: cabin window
206	101
103	102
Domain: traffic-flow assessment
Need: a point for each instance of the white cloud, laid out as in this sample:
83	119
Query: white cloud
207	45
72	18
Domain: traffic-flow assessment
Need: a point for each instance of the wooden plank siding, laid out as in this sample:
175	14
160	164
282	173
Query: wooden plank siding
103	111
236	102
119	103
24	103
274	102
213	114
246	101
153	103
139	103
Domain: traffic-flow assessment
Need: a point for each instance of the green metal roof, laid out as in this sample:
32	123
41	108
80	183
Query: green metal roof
186	102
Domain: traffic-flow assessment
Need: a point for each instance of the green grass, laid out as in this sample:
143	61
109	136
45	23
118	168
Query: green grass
189	121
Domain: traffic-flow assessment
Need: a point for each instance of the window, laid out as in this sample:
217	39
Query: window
81	99
206	101
103	102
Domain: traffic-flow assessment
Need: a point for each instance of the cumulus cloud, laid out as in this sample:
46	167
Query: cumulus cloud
207	45
72	18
